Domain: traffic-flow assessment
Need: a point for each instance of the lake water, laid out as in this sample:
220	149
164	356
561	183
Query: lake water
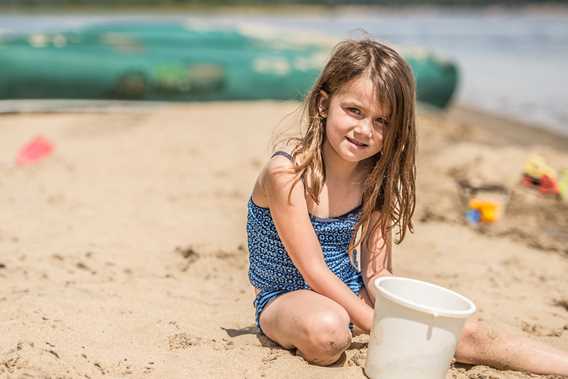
512	63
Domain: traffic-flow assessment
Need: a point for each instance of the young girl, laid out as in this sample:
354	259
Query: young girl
346	183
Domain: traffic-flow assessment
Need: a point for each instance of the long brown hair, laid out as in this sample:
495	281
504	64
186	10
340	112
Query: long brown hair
390	185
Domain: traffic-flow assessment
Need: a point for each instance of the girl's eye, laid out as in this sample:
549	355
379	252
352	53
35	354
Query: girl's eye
382	121
354	111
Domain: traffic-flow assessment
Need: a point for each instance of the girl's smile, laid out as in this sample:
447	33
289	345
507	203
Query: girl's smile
357	144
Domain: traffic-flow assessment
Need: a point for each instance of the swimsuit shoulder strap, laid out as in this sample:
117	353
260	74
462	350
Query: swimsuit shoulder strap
284	154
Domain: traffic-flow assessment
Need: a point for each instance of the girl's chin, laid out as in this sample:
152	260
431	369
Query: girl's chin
353	156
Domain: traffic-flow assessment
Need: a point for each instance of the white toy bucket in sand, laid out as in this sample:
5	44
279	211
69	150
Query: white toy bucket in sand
416	328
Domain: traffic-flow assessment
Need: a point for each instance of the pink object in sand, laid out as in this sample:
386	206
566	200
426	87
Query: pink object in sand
33	151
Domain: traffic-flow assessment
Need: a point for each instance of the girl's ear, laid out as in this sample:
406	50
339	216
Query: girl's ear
323	103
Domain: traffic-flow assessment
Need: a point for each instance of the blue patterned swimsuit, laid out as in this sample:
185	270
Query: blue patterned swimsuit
270	268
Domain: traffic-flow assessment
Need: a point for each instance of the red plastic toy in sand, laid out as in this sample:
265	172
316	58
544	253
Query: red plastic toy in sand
33	151
548	186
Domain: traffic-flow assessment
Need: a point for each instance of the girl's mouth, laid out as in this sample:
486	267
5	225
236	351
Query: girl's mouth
356	143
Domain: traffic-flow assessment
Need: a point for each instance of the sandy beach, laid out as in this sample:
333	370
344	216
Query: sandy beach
123	254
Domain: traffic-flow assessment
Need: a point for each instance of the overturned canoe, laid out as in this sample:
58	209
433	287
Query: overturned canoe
180	62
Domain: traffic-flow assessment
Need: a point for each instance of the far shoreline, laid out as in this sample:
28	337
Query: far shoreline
501	129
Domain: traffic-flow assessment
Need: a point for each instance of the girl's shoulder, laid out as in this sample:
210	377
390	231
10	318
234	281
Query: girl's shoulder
280	165
278	170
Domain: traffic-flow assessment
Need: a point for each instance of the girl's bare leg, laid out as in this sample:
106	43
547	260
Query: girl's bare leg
480	344
314	324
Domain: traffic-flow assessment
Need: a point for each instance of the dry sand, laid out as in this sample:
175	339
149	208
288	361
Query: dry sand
124	253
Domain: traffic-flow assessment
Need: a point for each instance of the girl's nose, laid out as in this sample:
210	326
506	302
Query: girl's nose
364	128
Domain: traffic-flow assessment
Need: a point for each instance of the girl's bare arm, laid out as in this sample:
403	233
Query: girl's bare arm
377	260
292	222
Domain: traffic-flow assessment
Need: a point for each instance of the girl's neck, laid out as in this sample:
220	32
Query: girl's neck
338	169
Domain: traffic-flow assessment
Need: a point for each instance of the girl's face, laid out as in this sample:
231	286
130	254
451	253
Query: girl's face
356	123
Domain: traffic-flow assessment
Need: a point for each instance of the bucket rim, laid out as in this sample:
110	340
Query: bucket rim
422	308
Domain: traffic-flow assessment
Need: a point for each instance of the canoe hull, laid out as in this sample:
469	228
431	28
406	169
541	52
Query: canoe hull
175	62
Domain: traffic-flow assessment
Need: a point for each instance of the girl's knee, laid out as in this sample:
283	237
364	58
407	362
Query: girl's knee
327	337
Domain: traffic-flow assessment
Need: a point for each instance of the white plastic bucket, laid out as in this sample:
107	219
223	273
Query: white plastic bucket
416	328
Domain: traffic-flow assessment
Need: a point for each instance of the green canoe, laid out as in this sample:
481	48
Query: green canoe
180	62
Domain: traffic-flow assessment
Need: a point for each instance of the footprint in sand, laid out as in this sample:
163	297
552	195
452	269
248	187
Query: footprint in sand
182	341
